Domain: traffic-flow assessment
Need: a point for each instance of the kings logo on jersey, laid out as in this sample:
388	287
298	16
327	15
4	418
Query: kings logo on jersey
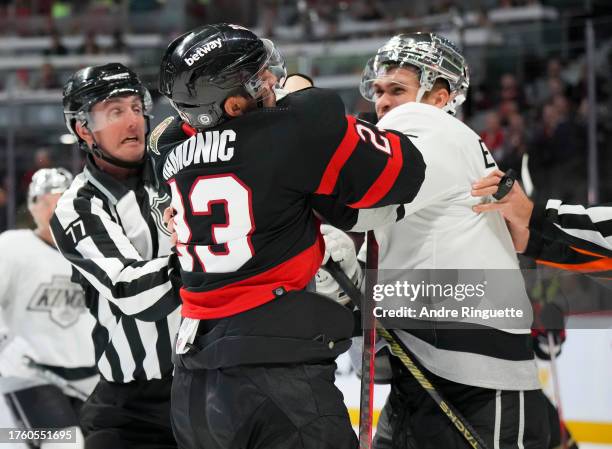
61	299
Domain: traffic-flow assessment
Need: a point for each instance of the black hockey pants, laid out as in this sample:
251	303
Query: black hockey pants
273	407
134	415
504	419
264	379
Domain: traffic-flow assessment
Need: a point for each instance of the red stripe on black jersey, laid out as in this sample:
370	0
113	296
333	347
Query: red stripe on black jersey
293	274
387	178
341	155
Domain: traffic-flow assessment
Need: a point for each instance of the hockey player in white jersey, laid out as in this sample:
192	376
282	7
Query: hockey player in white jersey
46	353
487	371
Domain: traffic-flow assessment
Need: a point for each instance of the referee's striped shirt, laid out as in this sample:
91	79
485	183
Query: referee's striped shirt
112	234
572	237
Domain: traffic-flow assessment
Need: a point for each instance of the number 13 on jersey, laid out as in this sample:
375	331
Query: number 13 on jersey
234	234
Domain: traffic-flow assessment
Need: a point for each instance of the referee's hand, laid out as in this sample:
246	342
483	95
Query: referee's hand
515	207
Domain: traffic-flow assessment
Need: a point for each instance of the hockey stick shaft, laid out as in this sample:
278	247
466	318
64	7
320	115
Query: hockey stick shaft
556	388
366	400
405	356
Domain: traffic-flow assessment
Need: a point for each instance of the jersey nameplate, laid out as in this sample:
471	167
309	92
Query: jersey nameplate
203	148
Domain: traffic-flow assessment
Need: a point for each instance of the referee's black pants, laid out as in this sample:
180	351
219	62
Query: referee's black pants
133	415
504	419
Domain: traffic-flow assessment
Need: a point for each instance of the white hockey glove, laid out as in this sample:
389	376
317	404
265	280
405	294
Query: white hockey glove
341	249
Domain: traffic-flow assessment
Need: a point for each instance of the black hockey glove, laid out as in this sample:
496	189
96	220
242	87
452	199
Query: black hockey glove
549	320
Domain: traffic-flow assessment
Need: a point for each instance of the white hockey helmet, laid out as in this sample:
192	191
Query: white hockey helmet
434	56
48	180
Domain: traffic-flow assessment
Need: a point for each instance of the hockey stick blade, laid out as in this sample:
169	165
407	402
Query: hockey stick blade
398	349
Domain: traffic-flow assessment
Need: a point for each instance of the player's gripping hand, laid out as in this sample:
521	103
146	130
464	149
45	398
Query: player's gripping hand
169	213
341	249
293	83
515	207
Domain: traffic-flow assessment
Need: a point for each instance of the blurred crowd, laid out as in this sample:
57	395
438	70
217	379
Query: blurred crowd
43	157
58	10
328	10
331	13
92	22
541	125
46	77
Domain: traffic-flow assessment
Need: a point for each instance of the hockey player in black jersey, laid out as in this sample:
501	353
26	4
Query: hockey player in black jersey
255	352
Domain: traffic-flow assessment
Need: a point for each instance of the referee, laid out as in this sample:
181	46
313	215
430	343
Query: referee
108	224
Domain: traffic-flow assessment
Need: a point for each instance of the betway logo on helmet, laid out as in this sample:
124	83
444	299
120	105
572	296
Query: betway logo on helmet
202	51
116	76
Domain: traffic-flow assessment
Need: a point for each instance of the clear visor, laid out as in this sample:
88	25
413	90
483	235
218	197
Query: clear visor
382	73
116	106
270	76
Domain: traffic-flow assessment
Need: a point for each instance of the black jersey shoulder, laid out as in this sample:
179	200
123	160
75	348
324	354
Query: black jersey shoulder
314	103
319	120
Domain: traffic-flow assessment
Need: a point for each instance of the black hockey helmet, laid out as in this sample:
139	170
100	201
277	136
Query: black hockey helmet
95	84
203	67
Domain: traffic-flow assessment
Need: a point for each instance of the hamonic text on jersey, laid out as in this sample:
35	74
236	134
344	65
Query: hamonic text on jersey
202	148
